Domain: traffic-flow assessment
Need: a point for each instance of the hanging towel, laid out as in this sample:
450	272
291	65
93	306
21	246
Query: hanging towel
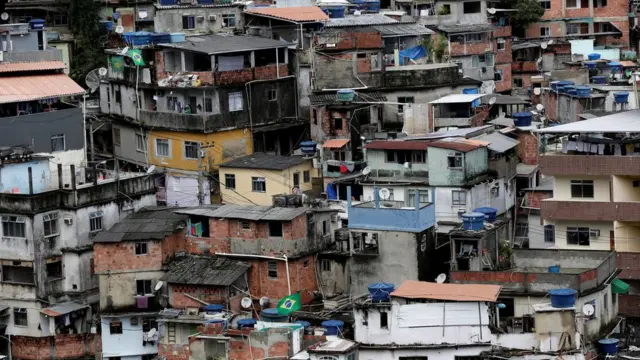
617	150
594	148
343	169
198	229
565	145
142	302
629	148
601	149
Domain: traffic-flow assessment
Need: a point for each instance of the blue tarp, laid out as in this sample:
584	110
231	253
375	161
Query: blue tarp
412	53
472	91
331	192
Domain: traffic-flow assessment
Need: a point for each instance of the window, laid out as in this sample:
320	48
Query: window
418	157
582	188
50	224
495	191
327	357
501	44
422	194
384	320
545	31
475	37
471	7
600	3
258	184
172	103
458	197
545	4
305	264
60	20
228	20
498	75
230	181
325	265
13	226
245	224
116	95
576	29
445	10
188	22
314	115
454	160
191	149
235	101
272	94
578	236
482	60
571	3
517	82
140	146
20	317
143	287
402	100
272	269
325	227
116	136
141	248
54	269
296	179
306	176
95	221
57	143
275	228
147	325
208	105
162	147
550	234
115	327
337	123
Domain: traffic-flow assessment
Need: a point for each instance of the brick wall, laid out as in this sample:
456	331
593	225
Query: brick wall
479	118
505	55
121	256
629	305
267	72
506	83
303	279
174	351
270	72
535	197
595	211
328	123
556	28
527	149
592	165
482	47
524	66
629	263
613	8
62	346
159	64
210	294
356	40
502	31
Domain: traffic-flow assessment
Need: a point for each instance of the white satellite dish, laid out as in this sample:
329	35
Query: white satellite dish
588	309
152	332
158	286
102	72
544	46
550	42
124	51
264	301
492	101
4	16
92	80
537	91
534	112
539	107
384	193
491	11
366	171
151	169
246	302
441	278
119	29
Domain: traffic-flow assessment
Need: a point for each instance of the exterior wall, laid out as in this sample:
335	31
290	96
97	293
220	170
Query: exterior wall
562	188
170	20
422	96
62	346
431	354
376	160
277	182
16	176
527	149
182	189
400	192
627	236
129	343
128	149
600	243
475	163
33	316
506	83
536	233
302	278
118	290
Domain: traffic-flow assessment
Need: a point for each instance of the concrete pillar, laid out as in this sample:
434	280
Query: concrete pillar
376	196
73	177
253	59
213	63
286	56
60	185
183	65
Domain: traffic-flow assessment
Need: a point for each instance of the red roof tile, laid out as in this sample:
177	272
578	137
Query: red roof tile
36	87
300	14
412	289
397	145
335	143
31	66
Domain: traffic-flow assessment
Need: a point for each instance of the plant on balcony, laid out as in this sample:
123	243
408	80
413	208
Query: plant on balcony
444	10
84	17
504	255
440	48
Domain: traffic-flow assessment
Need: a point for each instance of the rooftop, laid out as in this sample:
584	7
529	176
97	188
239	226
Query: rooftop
412	289
37	87
462	132
361	20
219	44
7	67
459	28
505	121
397	145
247	212
63	308
457	99
205	270
333	345
335	143
509	100
300	14
264	161
321	99
143	225
458	144
401	29
628	121
498	142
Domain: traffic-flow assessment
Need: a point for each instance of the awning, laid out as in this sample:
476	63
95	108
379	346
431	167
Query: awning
457	99
38	87
619	287
335	143
63	308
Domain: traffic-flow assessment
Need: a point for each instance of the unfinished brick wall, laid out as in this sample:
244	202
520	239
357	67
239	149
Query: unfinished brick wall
535	197
121	256
174	351
301	274
159	64
210	294
476	48
629	263
629	305
527	149
329	122
62	346
556	28
506	83
504	56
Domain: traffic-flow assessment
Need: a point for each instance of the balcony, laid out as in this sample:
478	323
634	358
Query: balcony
583	271
267	72
176	121
331	168
590	210
443	119
592	165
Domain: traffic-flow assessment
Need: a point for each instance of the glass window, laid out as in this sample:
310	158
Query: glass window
390	155
60	19
188	22
306	176
549	233
418	156
191	149
458	197
13	226
229	20
140	144
162	147
337	123
143	287
95	221
454	160
582	188
57	143
235	101
258	184
578	236
411	197
545	4
20	317
50	224
141	248
272	94
115	327
272	269
230	181
296	179
384	320
325	265
245	224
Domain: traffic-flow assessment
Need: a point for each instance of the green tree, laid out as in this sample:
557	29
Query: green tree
440	48
84	20
528	11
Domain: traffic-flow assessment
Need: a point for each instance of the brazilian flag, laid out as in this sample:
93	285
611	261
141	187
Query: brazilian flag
136	56
289	304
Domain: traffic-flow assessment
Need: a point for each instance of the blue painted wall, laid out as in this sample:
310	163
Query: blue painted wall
16	176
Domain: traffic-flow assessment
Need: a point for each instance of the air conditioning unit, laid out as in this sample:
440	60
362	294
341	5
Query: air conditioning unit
594	233
213	18
200	18
335	218
68	221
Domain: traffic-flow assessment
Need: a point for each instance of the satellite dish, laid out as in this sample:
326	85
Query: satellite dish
92	80
534	112
491	11
102	72
550	42
537	91
158	285
384	193
366	171
492	101
264	301
539	107
441	278
588	309
124	51
544	46
246	302
4	16
119	29
151	169
152	332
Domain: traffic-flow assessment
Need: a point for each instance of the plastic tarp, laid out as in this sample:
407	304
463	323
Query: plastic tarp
413	53
331	192
472	91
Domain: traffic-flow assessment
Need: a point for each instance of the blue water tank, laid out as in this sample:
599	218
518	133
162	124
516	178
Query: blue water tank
615	66
566	83
555	269
372	5
305	324
609	346
621	97
583	91
246	323
214	308
563	298
593	56
600	79
161	38
272	315
138	38
473	221
567	89
359	4
36	24
379	292
590	64
521	119
105	26
206	2
334	327
346	95
308	147
572	91
554	85
176	38
489	213
334	12
167	2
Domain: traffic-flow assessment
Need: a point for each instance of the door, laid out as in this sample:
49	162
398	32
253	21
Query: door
193	104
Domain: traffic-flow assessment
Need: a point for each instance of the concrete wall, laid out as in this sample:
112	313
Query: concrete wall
170	20
182	189
377	161
601	188
129	343
421	96
118	290
431	354
600	243
128	148
536	234
33	316
623	189
475	163
400	192
627	235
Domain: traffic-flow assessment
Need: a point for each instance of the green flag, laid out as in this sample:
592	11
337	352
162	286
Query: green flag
136	56
117	63
289	304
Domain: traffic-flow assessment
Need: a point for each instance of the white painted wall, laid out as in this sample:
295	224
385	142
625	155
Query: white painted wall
33	317
182	190
431	354
129	343
536	234
601	188
601	242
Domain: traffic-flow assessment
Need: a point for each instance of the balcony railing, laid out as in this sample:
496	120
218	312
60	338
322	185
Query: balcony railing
590	210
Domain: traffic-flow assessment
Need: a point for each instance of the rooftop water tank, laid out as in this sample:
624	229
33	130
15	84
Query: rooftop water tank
138	38
161	38
554	85
334	327
346	95
379	292
359	4
621	97
489	213
593	56
176	37
304	324
308	147
167	2
521	119
600	79
583	91
568	88
372	5
609	346
555	269
246	323
214	308
334	12
614	65
563	298
272	315
473	221
590	64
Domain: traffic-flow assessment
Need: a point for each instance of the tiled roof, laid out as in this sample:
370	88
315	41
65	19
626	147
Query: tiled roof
264	161
297	14
205	270
31	66
412	289
36	87
397	145
322	99
335	143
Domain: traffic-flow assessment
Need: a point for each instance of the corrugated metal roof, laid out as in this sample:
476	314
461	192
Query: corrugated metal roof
457	98
360	20
219	44
498	142
505	121
143	225
169	7
509	100
30	66
265	161
397	145
457	144
462	132
524	169
296	14
247	212
458	28
628	121
335	143
398	30
323	99
37	87
63	308
412	289
205	270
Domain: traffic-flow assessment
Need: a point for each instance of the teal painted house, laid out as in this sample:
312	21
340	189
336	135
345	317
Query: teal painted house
457	162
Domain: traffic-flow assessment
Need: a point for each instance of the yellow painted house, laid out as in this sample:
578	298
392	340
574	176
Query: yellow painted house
255	179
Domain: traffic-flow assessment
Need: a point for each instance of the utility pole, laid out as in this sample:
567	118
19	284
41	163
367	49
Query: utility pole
201	155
